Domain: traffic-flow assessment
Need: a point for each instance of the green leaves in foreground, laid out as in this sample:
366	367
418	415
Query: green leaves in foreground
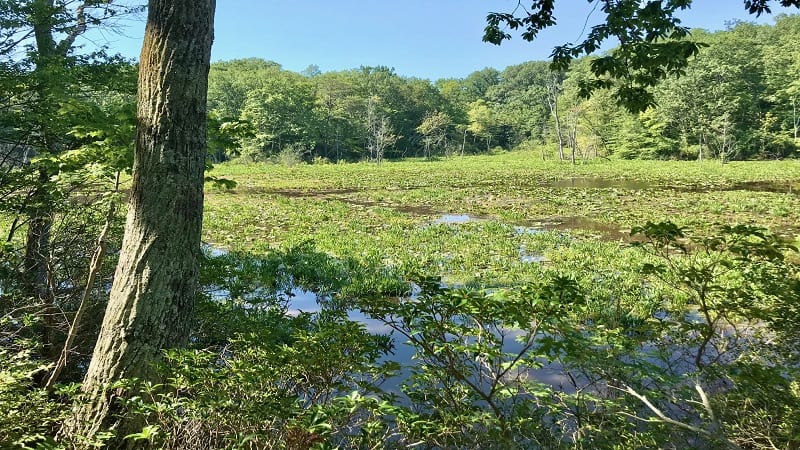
30	414
702	355
653	46
738	305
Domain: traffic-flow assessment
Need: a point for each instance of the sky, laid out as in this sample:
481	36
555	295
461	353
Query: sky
428	39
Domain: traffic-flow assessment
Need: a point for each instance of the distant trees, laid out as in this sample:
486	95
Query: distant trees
733	102
781	68
715	105
434	130
739	98
518	96
380	134
370	112
653	44
481	121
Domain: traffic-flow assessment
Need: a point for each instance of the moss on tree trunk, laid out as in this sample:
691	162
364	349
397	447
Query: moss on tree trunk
152	298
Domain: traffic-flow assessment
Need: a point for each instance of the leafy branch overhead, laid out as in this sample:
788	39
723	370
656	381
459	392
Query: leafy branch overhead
652	43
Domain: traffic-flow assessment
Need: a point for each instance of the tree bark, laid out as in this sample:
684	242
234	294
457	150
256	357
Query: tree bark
152	297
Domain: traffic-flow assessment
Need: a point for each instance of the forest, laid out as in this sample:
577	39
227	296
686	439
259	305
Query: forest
738	100
360	259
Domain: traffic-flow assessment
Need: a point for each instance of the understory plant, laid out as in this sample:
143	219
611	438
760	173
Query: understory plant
693	347
31	415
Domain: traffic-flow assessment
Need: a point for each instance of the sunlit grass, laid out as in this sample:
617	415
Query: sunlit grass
386	216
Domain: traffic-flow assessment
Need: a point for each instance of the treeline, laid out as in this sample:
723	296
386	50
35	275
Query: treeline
737	100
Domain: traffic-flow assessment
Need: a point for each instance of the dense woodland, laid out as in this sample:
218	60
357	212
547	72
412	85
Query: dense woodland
669	328
738	100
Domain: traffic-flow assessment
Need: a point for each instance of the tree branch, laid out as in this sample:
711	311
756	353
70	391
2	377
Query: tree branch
94	268
714	435
77	30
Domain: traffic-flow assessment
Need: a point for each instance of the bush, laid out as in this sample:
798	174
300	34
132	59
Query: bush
30	416
292	154
291	382
696	348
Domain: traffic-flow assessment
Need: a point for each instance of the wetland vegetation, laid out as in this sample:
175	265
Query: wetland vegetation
493	262
517	292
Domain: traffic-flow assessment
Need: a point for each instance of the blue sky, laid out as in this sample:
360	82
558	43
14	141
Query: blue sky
422	38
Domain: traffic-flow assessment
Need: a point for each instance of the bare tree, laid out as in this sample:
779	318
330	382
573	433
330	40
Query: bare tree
553	95
380	134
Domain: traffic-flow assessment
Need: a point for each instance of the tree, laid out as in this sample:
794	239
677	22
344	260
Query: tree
715	105
434	129
478	83
455	98
281	113
337	112
229	82
782	71
34	88
653	44
481	121
520	100
154	287
553	93
380	134
43	81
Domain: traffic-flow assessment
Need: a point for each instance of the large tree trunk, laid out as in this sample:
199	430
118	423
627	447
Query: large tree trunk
152	297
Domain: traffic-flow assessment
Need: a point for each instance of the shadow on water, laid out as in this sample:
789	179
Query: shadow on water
791	187
585	225
294	300
777	187
604	230
293	193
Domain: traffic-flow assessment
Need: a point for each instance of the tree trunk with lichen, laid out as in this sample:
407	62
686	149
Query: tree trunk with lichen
152	298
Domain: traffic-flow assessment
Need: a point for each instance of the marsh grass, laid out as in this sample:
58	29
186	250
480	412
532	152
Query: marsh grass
386	215
493	269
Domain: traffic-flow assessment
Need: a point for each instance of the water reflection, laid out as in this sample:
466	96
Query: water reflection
297	300
455	219
778	187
